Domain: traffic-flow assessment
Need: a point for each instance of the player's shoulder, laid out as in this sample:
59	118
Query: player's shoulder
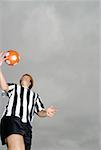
11	83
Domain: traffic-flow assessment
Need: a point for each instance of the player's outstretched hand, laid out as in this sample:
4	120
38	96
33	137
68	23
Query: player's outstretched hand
2	54
51	111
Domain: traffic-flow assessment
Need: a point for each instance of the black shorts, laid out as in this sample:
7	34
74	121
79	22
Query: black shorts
14	125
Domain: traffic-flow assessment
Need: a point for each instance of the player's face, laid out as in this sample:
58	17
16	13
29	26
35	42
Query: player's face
26	81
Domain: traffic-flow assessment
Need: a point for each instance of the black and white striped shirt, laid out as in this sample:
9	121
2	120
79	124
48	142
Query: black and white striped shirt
22	103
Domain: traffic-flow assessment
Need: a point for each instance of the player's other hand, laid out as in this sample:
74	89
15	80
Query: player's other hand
51	111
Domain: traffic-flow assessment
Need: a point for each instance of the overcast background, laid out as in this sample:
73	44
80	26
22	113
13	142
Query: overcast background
58	44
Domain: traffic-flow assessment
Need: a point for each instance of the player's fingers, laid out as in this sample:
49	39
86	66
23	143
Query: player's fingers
1	53
1	61
4	54
50	114
4	58
53	109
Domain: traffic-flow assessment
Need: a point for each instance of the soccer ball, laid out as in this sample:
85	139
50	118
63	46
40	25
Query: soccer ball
12	57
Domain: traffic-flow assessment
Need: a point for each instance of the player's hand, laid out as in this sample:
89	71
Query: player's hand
2	59
51	111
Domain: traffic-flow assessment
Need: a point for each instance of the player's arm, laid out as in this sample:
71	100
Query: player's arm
41	111
3	83
49	112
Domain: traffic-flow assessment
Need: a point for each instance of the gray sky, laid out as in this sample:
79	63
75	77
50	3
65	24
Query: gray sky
58	44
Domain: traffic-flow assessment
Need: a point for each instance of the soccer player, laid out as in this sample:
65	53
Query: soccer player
17	118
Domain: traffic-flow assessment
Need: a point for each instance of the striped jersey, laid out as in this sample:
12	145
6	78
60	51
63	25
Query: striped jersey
22	103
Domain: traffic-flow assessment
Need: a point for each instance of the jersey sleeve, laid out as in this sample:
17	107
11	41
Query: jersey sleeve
11	86
38	104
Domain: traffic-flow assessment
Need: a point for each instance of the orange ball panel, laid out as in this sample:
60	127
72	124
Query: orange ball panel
12	57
